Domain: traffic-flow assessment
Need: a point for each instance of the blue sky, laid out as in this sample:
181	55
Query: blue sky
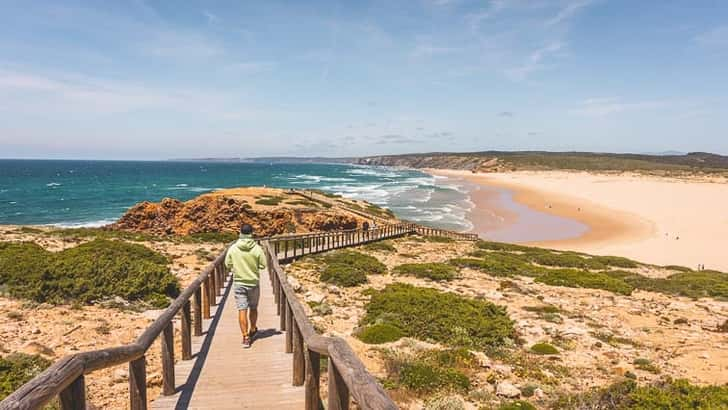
159	79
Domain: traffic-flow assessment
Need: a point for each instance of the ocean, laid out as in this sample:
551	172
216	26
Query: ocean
95	193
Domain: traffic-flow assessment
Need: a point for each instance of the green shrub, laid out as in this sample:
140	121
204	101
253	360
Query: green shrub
499	246
425	378
444	403
219	237
343	275
693	284
90	272
382	246
366	263
428	314
503	265
584	279
542	309
668	394
17	369
269	200
544	349
678	268
438	239
646	365
616	261
517	405
380	333
434	271
566	260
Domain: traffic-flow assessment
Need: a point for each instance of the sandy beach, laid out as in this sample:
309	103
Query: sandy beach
652	219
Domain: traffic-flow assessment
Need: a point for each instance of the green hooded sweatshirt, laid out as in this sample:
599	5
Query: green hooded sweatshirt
245	259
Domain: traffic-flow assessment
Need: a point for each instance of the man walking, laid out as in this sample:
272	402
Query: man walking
246	259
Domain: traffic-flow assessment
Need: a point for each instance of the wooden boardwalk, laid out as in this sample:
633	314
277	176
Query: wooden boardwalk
223	375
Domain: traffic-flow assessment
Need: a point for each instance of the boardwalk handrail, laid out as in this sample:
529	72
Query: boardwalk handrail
347	375
65	378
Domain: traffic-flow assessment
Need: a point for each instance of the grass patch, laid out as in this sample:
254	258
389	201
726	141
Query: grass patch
380	333
544	349
583	279
667	394
349	268
438	239
428	314
433	271
517	405
380	246
501	265
430	371
93	271
268	200
612	339
692	284
542	309
646	365
17	369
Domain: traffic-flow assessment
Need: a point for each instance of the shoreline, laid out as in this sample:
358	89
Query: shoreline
652	219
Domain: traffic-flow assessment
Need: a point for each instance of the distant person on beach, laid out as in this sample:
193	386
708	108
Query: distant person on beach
245	259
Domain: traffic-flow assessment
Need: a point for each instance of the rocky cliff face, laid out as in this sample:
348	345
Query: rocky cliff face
440	161
227	210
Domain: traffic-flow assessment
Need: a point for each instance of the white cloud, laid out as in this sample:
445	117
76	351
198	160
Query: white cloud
568	11
211	17
601	107
535	61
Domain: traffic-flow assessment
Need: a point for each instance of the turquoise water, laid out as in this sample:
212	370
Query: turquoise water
94	193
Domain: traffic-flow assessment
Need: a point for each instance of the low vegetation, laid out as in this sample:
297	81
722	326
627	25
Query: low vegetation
578	270
379	333
90	272
17	369
104	233
430	315
268	200
433	271
430	371
349	268
668	394
544	349
380	246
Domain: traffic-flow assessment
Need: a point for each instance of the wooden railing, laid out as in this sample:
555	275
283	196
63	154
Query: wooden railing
427	231
347	375
65	378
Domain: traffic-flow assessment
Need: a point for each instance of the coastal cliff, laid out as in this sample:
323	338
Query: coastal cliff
269	211
500	161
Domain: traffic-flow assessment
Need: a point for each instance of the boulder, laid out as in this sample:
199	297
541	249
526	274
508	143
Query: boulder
507	389
314	297
295	284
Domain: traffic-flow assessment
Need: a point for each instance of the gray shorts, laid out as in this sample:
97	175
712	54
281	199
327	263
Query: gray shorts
246	297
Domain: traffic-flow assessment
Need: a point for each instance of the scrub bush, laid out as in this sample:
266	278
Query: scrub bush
95	270
429	314
17	369
544	349
380	333
434	271
584	279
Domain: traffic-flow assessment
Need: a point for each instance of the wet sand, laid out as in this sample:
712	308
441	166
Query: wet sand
653	219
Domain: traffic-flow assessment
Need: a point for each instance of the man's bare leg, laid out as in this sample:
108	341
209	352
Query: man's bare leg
253	319
243	320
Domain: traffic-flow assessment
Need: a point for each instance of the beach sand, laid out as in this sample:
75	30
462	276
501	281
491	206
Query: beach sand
652	219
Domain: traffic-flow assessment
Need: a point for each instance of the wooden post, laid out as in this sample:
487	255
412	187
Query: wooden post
213	286
73	397
197	303
299	366
338	391
295	247
167	341
186	331
285	250
313	379
205	300
289	327
138	384
283	306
